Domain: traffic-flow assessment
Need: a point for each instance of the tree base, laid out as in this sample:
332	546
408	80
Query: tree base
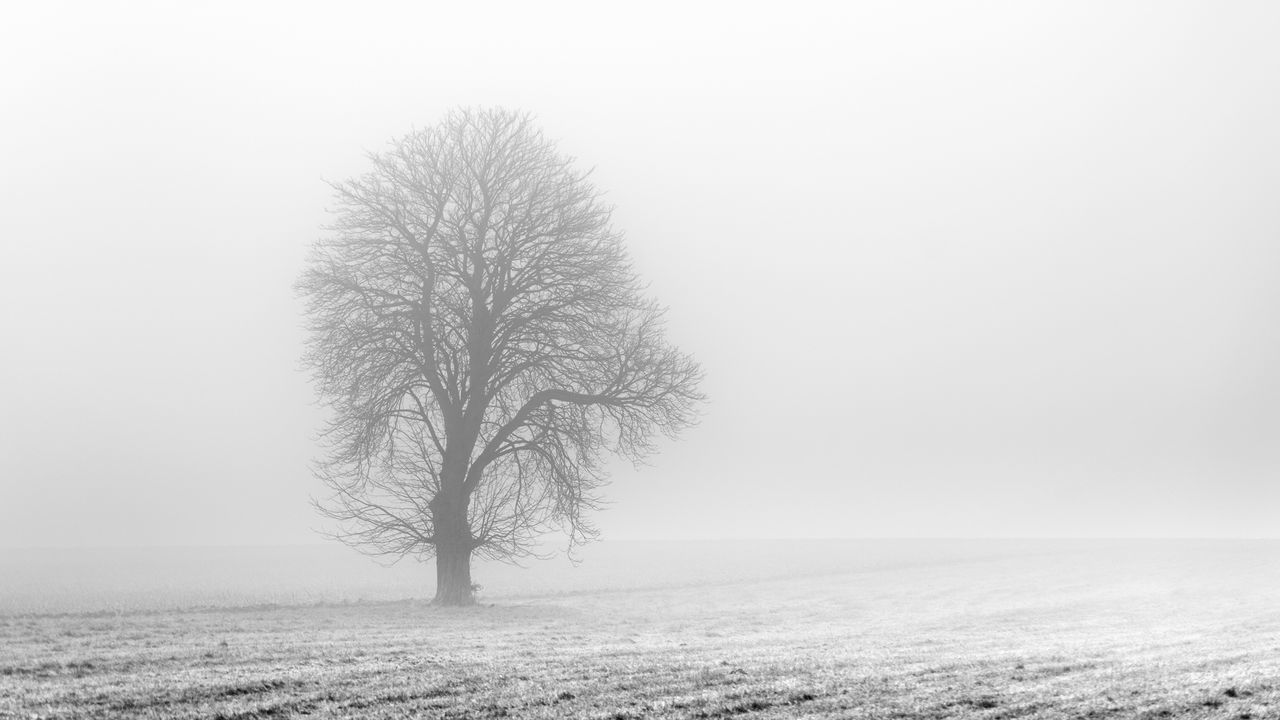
453	599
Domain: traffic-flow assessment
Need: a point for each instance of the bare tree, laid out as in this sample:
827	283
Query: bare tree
482	341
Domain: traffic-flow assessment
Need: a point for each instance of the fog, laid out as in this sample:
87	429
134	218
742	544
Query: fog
953	270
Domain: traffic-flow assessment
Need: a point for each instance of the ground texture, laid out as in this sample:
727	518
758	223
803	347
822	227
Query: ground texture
1057	635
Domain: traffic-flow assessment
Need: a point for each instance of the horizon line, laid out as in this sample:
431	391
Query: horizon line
744	539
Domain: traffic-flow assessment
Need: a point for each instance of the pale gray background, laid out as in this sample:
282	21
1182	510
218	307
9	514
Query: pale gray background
954	269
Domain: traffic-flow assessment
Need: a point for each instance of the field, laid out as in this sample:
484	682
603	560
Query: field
713	630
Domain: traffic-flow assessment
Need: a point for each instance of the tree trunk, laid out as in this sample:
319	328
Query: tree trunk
453	575
453	553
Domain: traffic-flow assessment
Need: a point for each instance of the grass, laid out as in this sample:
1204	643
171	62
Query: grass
1124	632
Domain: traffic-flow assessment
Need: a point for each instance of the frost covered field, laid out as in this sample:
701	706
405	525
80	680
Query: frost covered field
875	629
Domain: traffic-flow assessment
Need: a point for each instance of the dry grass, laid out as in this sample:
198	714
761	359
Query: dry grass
1135	633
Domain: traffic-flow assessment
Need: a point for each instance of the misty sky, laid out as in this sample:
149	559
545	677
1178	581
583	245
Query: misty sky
953	269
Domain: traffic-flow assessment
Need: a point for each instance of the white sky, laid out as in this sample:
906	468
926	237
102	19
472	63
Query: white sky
954	269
